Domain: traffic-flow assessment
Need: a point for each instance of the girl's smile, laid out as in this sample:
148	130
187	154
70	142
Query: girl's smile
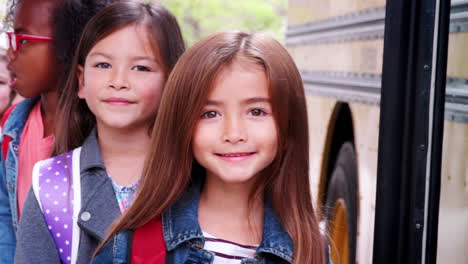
236	157
117	101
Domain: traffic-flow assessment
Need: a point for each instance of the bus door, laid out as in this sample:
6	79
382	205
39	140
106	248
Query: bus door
419	210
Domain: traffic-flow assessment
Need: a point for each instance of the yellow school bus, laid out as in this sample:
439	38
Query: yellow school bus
348	52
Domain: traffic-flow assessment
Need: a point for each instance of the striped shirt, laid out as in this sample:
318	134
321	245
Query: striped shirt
227	252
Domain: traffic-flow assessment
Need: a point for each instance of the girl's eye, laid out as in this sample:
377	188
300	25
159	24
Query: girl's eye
141	68
23	41
209	114
257	112
103	65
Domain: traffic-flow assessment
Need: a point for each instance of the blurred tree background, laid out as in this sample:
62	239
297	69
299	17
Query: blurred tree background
200	18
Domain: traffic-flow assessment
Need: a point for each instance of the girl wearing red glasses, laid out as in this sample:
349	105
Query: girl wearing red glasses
45	33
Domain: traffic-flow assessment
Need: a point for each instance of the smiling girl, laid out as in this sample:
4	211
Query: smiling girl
106	115
227	175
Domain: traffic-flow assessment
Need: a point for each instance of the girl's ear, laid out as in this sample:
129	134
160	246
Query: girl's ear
80	76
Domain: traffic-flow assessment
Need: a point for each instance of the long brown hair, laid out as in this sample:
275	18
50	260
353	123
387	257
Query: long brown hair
74	119
170	164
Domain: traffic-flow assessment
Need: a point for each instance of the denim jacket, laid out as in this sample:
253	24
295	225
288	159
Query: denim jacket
184	238
8	172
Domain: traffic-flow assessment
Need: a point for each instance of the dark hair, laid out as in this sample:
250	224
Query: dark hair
171	156
68	20
74	119
10	12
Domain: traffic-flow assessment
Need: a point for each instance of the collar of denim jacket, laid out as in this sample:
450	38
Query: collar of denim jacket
180	224
91	157
17	119
275	239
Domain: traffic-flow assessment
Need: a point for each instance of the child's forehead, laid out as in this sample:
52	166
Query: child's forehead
137	39
244	62
239	65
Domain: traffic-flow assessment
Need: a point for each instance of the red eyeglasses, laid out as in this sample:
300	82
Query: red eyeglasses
16	40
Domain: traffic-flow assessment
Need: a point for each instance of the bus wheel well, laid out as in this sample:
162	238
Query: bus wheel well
341	130
339	186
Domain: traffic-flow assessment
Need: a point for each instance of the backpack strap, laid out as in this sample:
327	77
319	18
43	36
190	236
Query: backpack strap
56	185
148	243
6	139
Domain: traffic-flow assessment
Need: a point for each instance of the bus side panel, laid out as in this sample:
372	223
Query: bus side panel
453	205
354	57
306	11
453	237
366	133
457	56
320	111
338	48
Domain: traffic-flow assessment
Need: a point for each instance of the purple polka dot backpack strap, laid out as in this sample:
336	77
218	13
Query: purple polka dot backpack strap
56	184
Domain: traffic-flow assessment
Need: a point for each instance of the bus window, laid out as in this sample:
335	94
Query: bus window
453	210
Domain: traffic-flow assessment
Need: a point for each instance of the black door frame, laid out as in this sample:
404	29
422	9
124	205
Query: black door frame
411	130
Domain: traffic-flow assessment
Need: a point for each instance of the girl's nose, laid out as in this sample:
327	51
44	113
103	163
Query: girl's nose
119	79
234	131
11	54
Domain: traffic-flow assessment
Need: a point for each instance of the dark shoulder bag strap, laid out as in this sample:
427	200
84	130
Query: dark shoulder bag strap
327	249
170	257
129	246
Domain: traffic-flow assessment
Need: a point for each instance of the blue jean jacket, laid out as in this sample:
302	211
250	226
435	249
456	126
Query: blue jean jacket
184	238
8	172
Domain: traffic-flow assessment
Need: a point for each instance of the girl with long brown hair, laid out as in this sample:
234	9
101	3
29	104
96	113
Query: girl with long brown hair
105	118
227	175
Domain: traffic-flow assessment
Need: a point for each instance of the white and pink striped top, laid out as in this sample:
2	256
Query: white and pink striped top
227	252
